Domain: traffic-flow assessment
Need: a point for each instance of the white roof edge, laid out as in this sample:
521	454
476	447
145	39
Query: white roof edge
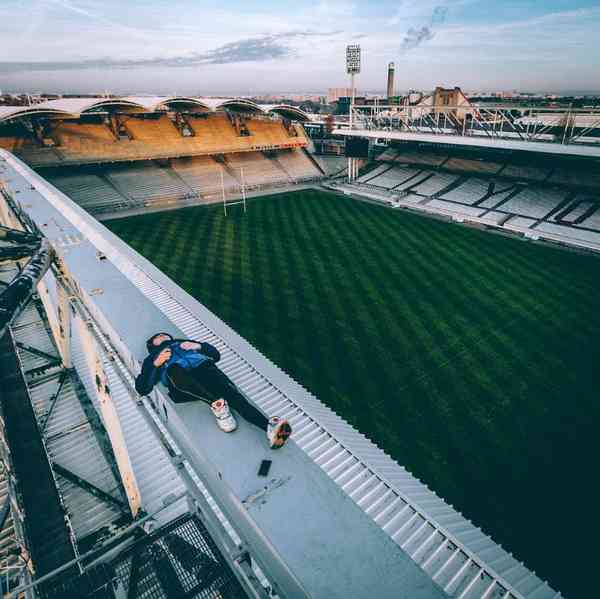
286	108
73	107
542	147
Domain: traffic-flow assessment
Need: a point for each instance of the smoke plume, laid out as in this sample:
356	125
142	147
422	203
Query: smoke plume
415	37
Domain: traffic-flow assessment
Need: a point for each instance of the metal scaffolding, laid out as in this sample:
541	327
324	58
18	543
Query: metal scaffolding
564	126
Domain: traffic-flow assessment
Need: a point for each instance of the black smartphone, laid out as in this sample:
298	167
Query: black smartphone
265	466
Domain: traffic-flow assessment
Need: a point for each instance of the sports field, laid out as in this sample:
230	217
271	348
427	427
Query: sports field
471	358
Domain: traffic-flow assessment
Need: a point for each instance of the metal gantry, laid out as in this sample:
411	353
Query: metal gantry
564	126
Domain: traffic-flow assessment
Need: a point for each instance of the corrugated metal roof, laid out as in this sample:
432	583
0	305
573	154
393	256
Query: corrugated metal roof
155	475
69	435
10	536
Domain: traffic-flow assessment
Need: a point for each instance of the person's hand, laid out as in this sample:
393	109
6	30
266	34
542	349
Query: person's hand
187	345
162	357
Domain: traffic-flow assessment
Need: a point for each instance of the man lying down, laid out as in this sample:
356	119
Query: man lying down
188	369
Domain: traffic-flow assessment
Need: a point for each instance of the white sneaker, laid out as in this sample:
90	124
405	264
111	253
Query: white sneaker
225	419
278	432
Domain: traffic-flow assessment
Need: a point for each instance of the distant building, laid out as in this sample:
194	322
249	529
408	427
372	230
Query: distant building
343	103
414	97
335	93
447	101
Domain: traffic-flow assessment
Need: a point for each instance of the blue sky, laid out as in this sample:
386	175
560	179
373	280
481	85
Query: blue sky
243	47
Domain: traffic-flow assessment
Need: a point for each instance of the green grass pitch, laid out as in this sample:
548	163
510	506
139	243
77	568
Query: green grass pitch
471	358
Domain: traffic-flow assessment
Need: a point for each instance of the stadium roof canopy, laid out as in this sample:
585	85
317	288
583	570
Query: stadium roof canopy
74	107
85	105
155	103
287	111
232	103
9	112
67	107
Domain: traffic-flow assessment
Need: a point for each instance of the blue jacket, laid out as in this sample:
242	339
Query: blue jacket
191	358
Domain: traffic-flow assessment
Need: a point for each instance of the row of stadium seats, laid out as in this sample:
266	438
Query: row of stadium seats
536	210
333	166
197	178
27	145
589	177
85	143
530	203
388	155
10	142
413	157
255	170
593	221
470	191
148	183
297	165
577	211
153	131
463	165
498	197
435	184
372	174
204	175
534	202
527	173
75	135
395	177
91	192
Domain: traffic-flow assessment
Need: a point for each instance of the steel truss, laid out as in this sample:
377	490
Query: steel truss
557	125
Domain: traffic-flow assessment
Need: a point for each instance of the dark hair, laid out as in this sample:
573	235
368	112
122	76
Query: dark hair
150	344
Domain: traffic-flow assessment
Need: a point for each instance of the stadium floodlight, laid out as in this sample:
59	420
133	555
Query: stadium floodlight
352	68
353	59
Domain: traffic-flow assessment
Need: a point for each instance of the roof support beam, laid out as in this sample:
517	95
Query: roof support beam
4	511
53	360
89	487
54	399
110	415
15	297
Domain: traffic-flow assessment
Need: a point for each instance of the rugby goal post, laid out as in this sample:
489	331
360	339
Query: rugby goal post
234	201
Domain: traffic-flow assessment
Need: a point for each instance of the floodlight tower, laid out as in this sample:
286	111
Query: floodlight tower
352	68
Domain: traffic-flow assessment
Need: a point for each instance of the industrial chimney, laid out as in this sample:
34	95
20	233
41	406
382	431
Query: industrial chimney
390	86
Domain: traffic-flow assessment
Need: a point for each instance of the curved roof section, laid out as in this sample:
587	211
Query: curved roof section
67	107
83	105
8	113
73	107
154	103
286	110
233	103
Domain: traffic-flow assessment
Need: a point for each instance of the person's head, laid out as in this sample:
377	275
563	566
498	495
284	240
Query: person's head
156	340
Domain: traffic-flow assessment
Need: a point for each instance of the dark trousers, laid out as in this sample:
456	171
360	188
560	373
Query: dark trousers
207	383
